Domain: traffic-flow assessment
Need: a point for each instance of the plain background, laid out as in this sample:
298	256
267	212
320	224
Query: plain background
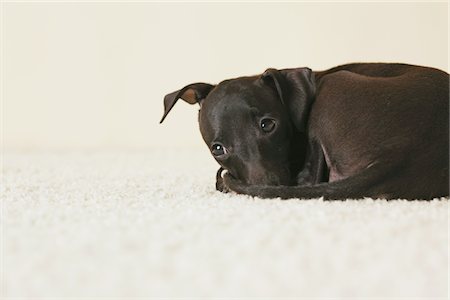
93	75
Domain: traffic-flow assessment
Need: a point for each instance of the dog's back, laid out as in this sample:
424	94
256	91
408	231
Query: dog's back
405	109
381	70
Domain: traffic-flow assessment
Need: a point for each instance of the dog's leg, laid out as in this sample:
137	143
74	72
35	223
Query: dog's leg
315	169
367	183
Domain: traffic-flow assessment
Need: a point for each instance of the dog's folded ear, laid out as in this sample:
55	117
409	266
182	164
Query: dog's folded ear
296	89
192	93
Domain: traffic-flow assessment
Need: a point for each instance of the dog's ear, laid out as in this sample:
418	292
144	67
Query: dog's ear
296	89
192	93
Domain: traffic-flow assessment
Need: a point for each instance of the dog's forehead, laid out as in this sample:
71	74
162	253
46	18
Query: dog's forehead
239	94
233	89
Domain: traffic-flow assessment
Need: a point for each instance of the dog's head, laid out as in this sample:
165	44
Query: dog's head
254	126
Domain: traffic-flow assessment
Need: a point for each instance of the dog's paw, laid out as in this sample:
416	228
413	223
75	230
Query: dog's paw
232	184
227	183
220	185
239	187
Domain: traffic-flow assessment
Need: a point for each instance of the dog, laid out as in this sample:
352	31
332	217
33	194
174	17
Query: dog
378	130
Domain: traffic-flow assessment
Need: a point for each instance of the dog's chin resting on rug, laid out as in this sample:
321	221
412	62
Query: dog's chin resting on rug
358	130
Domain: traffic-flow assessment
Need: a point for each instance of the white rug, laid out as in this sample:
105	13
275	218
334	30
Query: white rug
151	224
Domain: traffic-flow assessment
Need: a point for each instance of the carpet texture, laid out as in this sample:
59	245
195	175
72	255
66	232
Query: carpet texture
150	224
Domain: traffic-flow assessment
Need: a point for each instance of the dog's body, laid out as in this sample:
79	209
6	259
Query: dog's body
358	130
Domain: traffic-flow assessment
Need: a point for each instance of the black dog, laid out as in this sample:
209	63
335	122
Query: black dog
358	130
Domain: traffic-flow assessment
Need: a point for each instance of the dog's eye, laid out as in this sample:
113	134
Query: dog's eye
217	149
267	125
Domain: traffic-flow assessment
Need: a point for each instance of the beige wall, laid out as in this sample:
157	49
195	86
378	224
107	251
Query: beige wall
94	75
